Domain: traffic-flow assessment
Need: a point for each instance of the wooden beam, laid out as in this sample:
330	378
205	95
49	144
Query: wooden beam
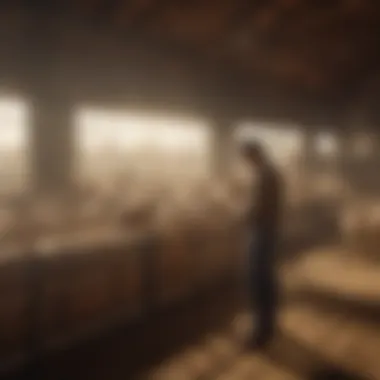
242	16
239	22
38	9
217	84
105	12
144	18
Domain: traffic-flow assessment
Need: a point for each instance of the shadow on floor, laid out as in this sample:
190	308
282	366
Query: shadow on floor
299	359
129	350
361	309
331	374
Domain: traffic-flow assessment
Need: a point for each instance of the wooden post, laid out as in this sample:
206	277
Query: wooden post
221	152
50	125
50	146
308	155
345	152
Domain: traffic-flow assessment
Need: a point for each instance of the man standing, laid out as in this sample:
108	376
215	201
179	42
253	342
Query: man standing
264	223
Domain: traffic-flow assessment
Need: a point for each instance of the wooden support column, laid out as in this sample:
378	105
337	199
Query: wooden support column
309	150
52	145
50	123
345	152
376	146
221	153
376	160
308	160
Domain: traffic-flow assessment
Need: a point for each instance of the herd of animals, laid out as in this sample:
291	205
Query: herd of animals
76	266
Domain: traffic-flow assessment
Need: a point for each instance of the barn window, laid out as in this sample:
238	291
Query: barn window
14	168
281	141
113	145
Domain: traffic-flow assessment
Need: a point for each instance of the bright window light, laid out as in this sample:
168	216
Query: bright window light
282	142
13	146
326	144
139	141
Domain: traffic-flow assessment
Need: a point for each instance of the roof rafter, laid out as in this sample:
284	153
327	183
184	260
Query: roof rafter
106	11
239	21
148	15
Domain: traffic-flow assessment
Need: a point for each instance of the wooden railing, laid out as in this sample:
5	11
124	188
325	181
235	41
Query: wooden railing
54	296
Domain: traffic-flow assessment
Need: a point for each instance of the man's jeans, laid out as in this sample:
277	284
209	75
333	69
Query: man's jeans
263	281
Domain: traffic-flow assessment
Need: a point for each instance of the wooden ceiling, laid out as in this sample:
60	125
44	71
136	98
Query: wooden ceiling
319	52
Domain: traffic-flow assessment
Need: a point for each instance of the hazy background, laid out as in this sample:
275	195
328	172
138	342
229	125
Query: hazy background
112	144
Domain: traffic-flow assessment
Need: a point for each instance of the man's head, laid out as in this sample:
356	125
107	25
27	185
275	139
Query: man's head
253	153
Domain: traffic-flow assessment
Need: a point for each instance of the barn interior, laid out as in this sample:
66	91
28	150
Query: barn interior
123	192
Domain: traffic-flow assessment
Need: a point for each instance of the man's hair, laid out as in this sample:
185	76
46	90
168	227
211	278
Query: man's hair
252	149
